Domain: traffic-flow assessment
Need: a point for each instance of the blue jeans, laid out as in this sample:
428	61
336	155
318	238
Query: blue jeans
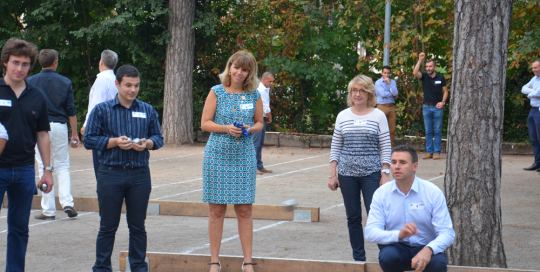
19	182
350	189
398	257
533	122
258	143
433	120
113	187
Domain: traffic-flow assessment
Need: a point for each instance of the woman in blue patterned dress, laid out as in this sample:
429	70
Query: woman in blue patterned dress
229	167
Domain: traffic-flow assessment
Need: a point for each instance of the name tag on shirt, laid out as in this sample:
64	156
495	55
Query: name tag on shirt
438	82
246	106
136	114
360	122
416	206
5	103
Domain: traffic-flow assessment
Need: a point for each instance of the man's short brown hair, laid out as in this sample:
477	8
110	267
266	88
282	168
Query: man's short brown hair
18	47
47	57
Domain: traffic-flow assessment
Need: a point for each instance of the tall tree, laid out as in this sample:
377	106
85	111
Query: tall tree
473	165
178	102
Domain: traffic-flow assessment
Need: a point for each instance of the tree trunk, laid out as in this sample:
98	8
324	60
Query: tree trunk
473	165
178	101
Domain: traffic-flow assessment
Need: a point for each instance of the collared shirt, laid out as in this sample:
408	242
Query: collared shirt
59	92
111	119
534	92
265	96
424	205
3	132
385	92
104	89
433	87
23	117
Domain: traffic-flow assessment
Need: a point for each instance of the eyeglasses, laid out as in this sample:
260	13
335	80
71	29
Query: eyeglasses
358	91
24	65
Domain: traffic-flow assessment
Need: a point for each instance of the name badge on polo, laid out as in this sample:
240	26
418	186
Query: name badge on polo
246	106
360	122
416	206
137	114
438	82
5	103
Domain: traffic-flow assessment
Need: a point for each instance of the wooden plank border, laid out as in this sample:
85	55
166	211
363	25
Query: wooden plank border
169	262
181	208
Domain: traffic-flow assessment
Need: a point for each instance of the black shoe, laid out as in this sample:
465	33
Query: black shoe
70	211
538	170
532	167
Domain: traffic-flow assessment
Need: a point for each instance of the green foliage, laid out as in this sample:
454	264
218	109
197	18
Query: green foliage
80	30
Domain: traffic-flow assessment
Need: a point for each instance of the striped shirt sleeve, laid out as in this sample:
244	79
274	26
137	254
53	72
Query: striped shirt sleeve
384	139
337	142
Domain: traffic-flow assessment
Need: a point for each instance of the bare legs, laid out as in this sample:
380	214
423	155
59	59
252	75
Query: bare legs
245	230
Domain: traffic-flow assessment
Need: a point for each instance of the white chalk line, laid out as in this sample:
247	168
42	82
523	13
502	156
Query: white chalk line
180	156
31	211
184	193
56	220
191	250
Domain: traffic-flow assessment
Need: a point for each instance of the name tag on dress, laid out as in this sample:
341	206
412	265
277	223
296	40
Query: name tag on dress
360	122
416	206
246	106
5	103
138	114
438	82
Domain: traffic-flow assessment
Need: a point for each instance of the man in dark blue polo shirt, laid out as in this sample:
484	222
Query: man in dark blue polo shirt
435	95
23	112
123	173
61	110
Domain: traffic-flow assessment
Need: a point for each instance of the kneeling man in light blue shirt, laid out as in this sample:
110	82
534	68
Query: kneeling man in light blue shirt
409	219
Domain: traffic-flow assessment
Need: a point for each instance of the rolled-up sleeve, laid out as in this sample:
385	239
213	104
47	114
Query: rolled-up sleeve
375	227
94	136
443	225
154	131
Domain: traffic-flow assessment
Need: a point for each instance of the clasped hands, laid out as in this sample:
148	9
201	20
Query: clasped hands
124	144
236	131
422	259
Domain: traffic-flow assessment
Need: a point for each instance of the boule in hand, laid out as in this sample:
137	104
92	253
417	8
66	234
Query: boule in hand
136	141
289	204
43	187
74	143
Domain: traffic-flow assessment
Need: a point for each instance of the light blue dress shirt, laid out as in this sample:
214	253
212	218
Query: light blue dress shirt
385	92
534	92
424	205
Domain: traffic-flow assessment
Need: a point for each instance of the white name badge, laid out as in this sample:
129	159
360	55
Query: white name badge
438	82
138	114
246	106
360	122
5	103
416	206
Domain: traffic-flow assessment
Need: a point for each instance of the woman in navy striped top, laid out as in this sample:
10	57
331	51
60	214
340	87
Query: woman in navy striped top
359	133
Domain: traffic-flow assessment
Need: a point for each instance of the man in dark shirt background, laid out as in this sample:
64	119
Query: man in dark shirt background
23	112
61	109
435	95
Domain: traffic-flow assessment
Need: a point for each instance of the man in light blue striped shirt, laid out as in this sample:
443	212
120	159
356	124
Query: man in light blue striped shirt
386	91
409	219
532	90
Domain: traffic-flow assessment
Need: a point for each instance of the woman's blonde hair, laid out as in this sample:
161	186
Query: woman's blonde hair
368	86
246	60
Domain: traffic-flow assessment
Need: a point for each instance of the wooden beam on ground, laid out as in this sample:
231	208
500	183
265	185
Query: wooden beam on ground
181	208
169	262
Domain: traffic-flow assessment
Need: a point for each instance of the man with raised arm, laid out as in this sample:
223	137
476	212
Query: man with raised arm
409	219
435	95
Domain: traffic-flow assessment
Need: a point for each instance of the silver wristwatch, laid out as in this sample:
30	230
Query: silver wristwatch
50	168
386	171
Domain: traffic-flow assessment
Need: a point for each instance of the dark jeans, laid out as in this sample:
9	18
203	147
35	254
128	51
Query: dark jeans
19	182
433	121
533	121
258	143
113	186
350	189
397	257
95	158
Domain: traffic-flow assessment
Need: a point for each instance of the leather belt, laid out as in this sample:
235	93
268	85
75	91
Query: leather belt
430	104
388	105
63	123
123	167
534	107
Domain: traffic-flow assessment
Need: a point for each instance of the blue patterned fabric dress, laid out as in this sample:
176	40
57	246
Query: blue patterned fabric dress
229	167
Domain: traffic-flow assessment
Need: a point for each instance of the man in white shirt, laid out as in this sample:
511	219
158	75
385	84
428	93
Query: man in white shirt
104	89
409	219
3	137
258	138
532	90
